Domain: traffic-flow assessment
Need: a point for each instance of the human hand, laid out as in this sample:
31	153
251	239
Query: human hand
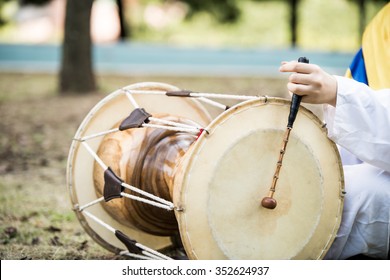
311	82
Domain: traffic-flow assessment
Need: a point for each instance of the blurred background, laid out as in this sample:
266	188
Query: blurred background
59	58
187	37
332	25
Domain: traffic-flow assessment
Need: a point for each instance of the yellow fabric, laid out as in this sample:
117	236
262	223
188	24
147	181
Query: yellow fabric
348	73
376	49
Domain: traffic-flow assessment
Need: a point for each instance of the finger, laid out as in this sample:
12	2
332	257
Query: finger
299	78
294	66
308	99
284	62
298	89
287	66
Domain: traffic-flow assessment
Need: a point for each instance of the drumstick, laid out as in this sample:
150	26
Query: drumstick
268	201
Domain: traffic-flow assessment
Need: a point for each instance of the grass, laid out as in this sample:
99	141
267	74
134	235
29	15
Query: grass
36	220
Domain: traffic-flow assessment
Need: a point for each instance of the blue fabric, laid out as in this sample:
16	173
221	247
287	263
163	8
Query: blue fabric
358	68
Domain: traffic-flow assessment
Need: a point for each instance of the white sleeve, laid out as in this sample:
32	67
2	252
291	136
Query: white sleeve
360	122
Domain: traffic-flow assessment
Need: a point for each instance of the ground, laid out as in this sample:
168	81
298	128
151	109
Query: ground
36	129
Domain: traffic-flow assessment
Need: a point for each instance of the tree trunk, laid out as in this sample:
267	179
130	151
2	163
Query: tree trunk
122	20
362	18
76	74
293	22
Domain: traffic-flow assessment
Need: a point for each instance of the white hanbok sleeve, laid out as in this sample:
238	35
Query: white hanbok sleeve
360	122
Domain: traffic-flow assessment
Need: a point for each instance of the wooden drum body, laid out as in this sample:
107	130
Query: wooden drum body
214	180
82	169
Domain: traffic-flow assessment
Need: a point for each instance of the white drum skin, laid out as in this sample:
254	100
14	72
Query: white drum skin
229	170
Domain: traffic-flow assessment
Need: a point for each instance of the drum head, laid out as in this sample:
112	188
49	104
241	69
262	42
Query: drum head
228	172
108	112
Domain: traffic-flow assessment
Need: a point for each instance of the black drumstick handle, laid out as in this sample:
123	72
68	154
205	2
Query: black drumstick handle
295	101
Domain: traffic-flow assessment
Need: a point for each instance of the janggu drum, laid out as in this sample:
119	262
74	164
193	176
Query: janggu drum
156	172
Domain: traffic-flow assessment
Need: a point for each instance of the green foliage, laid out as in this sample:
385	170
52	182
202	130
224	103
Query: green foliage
34	2
4	1
2	20
331	25
223	10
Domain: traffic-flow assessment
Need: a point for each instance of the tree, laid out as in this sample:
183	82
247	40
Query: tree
362	13
122	21
76	74
294	22
2	20
224	11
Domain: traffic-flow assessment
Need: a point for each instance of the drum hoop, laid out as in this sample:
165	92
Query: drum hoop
75	145
180	195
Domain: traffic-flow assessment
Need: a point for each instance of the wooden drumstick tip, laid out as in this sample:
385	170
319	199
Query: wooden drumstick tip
269	202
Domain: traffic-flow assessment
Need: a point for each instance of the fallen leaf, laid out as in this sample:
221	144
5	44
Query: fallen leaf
35	241
83	245
55	241
11	232
53	229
